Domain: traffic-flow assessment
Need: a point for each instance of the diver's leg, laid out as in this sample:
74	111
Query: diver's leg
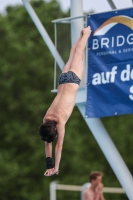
72	52
77	64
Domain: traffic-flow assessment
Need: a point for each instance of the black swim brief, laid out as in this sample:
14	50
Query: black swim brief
68	77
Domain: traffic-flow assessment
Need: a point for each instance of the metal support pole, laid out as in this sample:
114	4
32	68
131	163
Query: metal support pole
44	34
111	153
76	25
111	3
53	190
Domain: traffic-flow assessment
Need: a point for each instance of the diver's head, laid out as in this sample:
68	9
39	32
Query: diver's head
48	131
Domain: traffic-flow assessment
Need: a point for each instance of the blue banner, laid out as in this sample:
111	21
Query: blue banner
110	64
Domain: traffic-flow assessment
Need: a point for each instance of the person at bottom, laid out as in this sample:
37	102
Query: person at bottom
95	191
62	106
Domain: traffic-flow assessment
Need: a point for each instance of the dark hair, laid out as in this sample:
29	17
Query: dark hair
94	175
48	131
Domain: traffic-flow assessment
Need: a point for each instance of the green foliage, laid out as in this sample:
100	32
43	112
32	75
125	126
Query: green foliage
26	79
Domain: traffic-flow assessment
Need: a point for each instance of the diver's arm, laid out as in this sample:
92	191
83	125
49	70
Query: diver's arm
48	152
58	148
48	149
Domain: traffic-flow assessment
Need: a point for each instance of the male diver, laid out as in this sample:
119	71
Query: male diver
61	108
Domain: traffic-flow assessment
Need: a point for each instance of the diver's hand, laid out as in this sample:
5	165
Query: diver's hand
55	171
49	172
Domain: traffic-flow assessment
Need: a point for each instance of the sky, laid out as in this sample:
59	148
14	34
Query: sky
96	5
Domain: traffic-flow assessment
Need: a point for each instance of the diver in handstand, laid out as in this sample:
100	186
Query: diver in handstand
62	106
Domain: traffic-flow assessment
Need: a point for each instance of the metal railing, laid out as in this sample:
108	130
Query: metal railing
63	37
56	186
